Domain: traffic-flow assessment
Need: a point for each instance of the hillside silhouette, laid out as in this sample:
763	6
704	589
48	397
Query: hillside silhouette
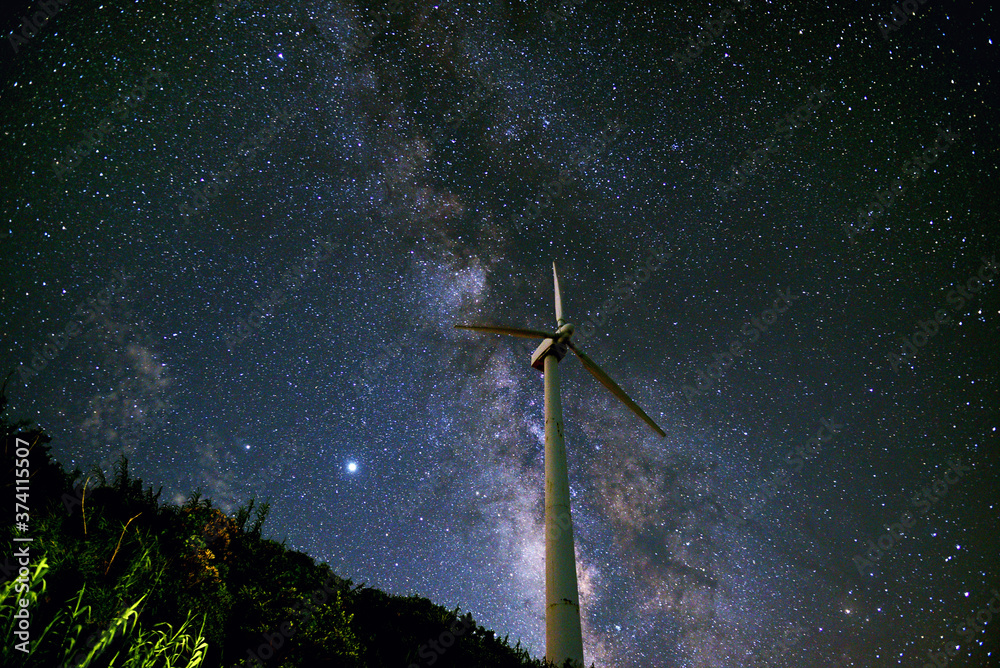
117	578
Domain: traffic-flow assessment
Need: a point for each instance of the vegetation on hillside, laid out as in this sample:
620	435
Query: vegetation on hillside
114	577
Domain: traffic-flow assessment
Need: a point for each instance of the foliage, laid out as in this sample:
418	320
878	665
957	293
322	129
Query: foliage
119	579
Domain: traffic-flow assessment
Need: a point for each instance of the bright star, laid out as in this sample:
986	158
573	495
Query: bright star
352	467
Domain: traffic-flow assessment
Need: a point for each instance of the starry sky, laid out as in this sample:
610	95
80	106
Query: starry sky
236	238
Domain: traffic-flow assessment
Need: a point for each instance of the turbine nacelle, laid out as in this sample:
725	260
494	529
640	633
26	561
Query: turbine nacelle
555	347
557	343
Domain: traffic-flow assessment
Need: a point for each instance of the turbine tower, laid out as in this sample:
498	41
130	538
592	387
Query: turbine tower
563	639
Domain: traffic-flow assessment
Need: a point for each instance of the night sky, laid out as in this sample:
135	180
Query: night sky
288	331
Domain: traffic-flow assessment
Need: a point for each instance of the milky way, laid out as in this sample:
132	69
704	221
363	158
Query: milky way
358	180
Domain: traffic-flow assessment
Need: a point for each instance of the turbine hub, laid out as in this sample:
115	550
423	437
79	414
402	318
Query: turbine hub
565	332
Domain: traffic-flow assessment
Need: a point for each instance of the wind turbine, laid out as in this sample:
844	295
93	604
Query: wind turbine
563	638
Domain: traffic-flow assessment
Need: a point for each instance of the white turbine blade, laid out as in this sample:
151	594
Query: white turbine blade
510	331
555	277
606	381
